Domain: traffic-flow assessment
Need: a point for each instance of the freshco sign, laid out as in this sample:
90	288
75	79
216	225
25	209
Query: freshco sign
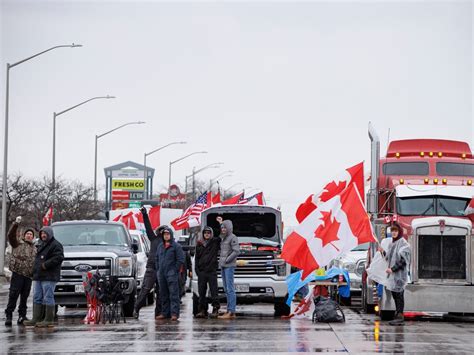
127	184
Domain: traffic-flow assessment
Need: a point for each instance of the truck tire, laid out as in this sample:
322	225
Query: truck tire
195	304
130	305
386	315
281	308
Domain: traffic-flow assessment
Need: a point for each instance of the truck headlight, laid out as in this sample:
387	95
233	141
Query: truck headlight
350	267
125	266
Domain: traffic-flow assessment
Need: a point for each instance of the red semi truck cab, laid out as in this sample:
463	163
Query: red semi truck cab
426	184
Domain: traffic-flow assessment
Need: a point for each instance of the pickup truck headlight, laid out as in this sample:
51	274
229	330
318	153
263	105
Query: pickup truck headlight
349	266
125	266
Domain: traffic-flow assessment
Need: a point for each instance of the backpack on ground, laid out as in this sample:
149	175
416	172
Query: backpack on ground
327	310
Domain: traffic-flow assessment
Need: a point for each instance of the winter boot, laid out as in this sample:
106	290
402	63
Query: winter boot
398	320
48	317
201	314
38	315
215	312
8	320
228	315
21	319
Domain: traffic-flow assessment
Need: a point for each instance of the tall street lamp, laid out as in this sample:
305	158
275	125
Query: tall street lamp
145	178
193	175
54	136
95	154
178	160
5	149
229	188
220	176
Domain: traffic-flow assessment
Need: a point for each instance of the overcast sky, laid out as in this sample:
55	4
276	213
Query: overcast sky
281	92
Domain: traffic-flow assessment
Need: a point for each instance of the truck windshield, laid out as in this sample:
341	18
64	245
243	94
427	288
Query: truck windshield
406	168
90	234
455	169
249	225
431	206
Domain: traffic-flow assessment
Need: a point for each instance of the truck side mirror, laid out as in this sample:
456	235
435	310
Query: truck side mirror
135	246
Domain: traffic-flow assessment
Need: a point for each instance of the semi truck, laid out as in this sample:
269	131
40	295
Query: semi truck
426	185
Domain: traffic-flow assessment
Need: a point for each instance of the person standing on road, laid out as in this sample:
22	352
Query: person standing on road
398	257
150	280
228	261
169	263
207	250
21	266
46	273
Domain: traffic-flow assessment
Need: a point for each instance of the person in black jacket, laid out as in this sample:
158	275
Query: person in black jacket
207	250
46	273
169	262
150	280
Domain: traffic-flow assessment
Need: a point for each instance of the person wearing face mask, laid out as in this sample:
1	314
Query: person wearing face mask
21	266
230	250
169	263
46	273
398	256
207	251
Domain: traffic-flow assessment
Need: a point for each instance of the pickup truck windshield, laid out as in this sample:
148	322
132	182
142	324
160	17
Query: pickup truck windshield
90	234
248	225
431	206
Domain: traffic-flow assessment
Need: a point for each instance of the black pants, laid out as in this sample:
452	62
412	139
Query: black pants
149	281
204	279
20	286
399	301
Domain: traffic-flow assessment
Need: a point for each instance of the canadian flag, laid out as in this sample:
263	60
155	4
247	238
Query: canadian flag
255	200
216	199
234	200
48	217
351	175
336	226
154	214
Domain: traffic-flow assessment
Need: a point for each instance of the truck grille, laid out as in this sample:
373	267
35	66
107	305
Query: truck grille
70	274
442	257
256	265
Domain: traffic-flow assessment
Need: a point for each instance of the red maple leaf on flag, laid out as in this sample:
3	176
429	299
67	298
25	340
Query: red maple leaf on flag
327	231
332	189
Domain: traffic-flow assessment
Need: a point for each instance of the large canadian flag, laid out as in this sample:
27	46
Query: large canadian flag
336	226
351	175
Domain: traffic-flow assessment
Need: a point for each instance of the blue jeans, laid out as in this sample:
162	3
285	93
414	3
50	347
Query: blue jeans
43	292
228	283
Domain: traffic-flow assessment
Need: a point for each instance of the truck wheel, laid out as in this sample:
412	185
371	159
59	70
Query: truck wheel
281	309
130	305
386	315
150	299
195	304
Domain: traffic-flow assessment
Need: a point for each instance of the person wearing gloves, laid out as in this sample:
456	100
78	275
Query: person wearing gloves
169	262
207	251
230	250
46	273
398	257
150	281
21	266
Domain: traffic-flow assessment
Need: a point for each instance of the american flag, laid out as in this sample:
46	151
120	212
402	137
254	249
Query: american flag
192	215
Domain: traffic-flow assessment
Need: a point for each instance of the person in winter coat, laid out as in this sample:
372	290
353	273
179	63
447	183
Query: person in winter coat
398	257
230	250
46	273
21	266
207	251
169	262
150	280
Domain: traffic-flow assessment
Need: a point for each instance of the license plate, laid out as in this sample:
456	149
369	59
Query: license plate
242	288
79	288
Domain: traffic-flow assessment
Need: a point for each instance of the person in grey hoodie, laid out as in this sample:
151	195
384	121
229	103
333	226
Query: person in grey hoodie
230	250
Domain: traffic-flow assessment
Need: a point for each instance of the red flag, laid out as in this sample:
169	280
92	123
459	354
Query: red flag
334	227
255	200
234	199
351	175
48	217
129	220
216	199
154	213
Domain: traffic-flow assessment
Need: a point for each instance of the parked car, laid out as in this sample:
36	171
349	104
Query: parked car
95	245
354	263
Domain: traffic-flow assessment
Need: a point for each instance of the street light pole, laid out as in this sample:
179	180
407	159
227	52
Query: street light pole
178	160
55	115
5	149
145	177
95	154
211	181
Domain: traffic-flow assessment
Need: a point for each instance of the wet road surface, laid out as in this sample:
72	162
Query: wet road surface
255	330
